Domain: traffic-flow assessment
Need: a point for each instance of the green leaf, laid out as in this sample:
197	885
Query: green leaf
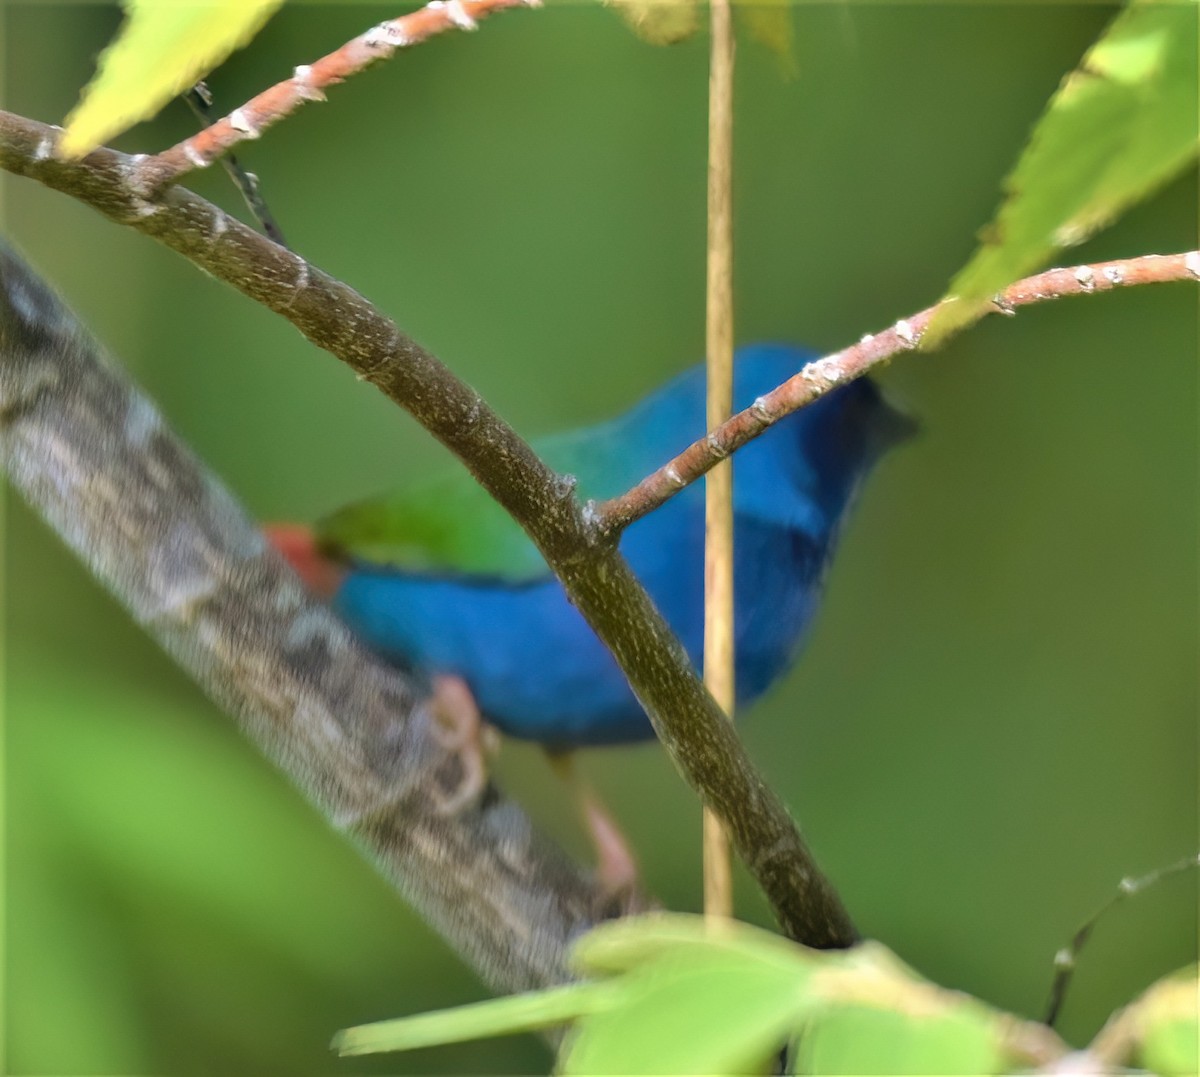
496	1017
1168	1020
864	1039
687	996
769	22
1122	124
872	1014
634	941
702	998
163	48
705	1009
670	22
660	22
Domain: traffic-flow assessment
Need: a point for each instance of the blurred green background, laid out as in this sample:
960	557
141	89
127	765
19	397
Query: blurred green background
996	717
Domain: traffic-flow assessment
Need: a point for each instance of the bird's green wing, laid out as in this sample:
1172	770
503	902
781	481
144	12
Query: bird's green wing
450	524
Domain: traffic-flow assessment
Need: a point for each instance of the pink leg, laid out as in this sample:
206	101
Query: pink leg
460	729
616	867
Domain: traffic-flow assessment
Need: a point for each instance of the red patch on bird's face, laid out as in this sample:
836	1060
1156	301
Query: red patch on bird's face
298	545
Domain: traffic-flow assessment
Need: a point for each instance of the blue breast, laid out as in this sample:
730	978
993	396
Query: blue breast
537	670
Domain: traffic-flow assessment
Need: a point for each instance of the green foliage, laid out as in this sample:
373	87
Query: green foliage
856	1038
676	994
692	1000
1122	124
769	22
685	996
496	1017
660	22
670	22
163	48
1164	1025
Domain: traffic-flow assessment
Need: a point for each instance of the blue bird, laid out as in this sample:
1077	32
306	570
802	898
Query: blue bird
439	579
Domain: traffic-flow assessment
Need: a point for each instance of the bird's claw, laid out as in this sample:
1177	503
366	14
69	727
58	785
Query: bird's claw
616	867
459	728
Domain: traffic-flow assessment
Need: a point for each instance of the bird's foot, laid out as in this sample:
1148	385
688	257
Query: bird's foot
459	728
616	866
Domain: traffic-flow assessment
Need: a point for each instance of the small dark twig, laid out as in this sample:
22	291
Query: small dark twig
1066	958
199	99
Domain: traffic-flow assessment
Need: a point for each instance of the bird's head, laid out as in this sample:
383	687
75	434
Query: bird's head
806	470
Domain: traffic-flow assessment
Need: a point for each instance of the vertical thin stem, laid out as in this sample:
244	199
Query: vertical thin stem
718	543
4	556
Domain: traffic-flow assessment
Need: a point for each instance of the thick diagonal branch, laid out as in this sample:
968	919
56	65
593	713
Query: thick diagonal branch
702	744
95	459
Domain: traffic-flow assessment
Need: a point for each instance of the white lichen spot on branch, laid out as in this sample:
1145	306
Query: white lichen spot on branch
455	12
45	147
196	158
760	410
240	121
716	446
907	335
823	373
302	79
387	35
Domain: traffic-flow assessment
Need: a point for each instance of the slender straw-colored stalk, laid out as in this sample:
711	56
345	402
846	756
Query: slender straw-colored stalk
718	539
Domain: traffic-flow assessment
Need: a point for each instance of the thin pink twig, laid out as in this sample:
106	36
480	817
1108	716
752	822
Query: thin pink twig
309	83
822	375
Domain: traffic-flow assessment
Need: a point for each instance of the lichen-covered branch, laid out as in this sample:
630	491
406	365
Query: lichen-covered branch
701	743
823	375
93	456
309	83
